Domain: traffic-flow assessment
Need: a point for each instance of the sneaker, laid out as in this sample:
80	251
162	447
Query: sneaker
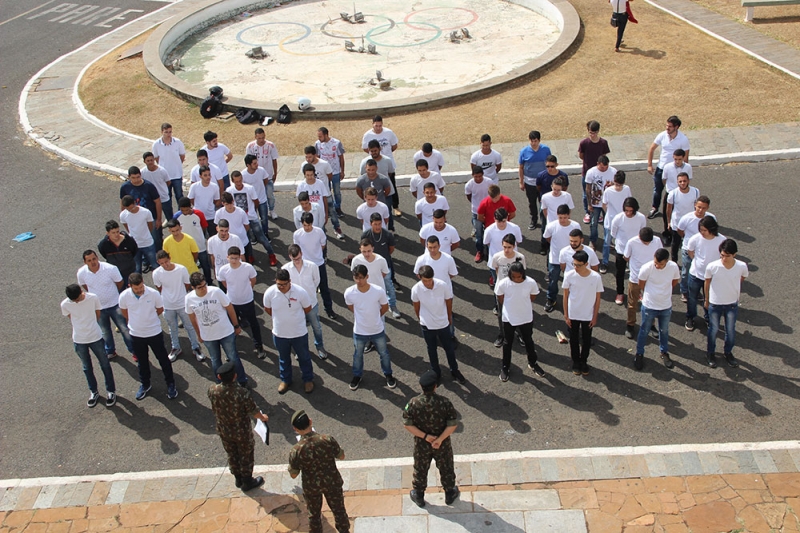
638	361
562	339
478	257
390	381
491	282
396	212
417	497
731	360
198	354
547	278
585	369
261	353
92	401
503	375
549	306
146	269
576	368
603	268
537	370
135	359
172	392
369	347
308	387
620	299
355	382
450	496
273	215
494	310
339	212
653	213
532	225
111	356
142	392
330	314
173	354
498	342
684	298
251	259
253	241
283	388
472	233
586	218
339	234
521	342
458	376
689	324
273	260
629	332
397	286
321	353
111	399
395	313
666	360
711	359
543	251
601	219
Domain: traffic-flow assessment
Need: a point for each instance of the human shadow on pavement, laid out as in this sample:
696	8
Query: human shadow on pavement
636	51
148	427
474	517
185	407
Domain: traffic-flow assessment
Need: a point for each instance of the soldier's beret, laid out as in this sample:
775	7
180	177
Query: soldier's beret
428	378
300	419
226	371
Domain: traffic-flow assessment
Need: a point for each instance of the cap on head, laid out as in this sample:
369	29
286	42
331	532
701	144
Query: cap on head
300	420
226	372
428	379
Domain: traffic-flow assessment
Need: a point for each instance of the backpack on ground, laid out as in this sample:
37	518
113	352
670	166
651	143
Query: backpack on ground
284	115
247	116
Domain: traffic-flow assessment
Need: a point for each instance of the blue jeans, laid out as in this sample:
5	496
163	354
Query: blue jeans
658	187
583	193
336	189
715	313
312	319
391	294
150	253
270	188
552	286
695	285
332	214
648	316
596	212
606	244
171	316
432	338
226	181
83	352
205	264
158	242
360	342
113	314
166	208
300	346
260	235
215	353
263	215
478	225
687	264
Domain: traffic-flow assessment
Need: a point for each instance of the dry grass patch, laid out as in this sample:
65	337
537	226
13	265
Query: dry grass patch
667	68
779	22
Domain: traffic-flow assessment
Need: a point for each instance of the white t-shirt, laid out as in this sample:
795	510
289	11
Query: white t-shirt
417	183
265	155
670	175
689	224
375	270
613	200
173	285
204	198
244	199
517	305
307	277
551	203
426	209
598	181
288	311
160	180
435	160
386	166
479	191
366	309
237	220
559	238
432	303
169	156
318	192
311	243
658	289
216	173
83	315
726	283
102	283
256	180
237	281
681	203
143	320
488	162
705	251
319	216
582	294
624	229
500	263
216	156
321	170
668	146
137	226
447	237
219	249
443	268
566	253
493	237
193	227
386	138
364	212
330	151
639	253
209	310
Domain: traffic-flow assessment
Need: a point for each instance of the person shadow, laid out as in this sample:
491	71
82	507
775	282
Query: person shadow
636	51
148	427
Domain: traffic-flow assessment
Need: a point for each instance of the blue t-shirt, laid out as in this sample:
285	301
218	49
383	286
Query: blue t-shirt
145	195
533	161
545	181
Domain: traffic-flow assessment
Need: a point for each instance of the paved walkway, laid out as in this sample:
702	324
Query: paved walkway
752	487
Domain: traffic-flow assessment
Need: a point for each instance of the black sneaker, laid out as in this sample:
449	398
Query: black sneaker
689	324
537	370
369	347
666	360
417	497
355	382
339	213
653	213
331	314
390	381
521	342
458	376
111	399
451	495
638	361
142	392
585	369
629	332
603	268
542	251
498	342
711	359
732	362
549	306
494	310
503	375
92	401
576	368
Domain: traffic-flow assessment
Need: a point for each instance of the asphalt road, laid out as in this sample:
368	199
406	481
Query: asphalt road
46	430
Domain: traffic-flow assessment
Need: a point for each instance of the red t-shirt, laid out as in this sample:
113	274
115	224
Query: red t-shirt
487	208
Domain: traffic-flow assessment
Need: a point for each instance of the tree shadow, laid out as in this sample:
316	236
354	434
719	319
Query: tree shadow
148	427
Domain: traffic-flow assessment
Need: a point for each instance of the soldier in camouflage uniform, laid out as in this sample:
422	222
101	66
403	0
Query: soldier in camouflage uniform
431	419
233	406
315	456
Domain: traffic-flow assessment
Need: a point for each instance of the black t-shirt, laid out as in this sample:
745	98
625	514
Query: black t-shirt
145	195
121	256
381	242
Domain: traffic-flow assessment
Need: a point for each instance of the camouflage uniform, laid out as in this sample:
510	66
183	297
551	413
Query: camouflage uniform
431	413
315	456
233	407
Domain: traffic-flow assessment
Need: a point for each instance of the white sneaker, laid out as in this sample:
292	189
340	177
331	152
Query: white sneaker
273	215
198	354
396	313
173	354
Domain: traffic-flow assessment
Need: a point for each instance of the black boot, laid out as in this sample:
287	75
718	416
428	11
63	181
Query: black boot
238	481
417	497
252	483
451	495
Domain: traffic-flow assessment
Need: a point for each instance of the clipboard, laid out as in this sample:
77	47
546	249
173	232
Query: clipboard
262	430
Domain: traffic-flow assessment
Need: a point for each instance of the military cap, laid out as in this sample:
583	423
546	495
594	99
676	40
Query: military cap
226	371
300	419
428	378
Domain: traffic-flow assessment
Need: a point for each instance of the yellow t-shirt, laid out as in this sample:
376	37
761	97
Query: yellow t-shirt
181	252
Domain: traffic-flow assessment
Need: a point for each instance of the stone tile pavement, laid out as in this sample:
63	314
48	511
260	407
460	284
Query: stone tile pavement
703	488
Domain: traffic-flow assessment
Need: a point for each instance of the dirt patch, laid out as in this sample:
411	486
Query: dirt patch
779	22
666	68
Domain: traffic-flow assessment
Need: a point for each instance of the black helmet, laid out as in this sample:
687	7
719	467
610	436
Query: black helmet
216	90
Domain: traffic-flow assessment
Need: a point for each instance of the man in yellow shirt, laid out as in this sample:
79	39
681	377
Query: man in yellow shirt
181	248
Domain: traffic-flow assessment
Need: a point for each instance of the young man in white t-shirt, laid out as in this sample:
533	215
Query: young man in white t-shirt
83	310
433	305
313	242
703	248
670	179
723	285
638	251
552	200
429	203
138	222
331	150
216	173
624	227
613	197
239	225
557	234
267	158
447	234
488	159
305	274
368	303
218	154
159	177
378	270
576	245
372	205
246	198
598	178
170	153
476	190
172	281
680	201
688	227
493	238
444	267
305	205
657	278
499	263
423	177
668	140
515	295
582	290
255	176
219	244
433	157
388	144
205	197
239	278
324	174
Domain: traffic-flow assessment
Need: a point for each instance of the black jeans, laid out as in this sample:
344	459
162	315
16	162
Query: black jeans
324	291
580	340
526	332
155	343
622	21
396	195
620	264
533	196
248	312
677	243
443	336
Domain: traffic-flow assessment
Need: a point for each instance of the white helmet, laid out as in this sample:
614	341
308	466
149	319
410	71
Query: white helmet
303	103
